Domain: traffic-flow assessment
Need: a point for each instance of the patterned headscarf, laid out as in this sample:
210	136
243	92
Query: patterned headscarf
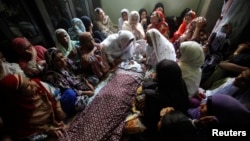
50	56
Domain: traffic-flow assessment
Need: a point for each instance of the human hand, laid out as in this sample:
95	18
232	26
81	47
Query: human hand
31	51
206	120
166	110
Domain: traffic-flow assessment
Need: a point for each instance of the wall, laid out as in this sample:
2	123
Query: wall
172	7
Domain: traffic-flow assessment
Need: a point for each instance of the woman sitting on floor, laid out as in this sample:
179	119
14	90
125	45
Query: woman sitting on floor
34	110
62	73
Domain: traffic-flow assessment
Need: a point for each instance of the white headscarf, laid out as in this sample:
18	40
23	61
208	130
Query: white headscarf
120	20
127	25
116	45
162	48
71	43
191	60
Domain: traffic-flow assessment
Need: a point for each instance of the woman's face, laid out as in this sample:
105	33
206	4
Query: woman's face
154	18
134	20
63	38
101	15
124	16
143	15
29	87
60	60
87	42
188	18
160	9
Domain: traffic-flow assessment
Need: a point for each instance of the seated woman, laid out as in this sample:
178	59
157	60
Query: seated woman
98	36
174	21
174	124
228	111
124	17
31	57
77	28
119	47
191	58
195	31
170	90
189	16
159	6
144	18
62	73
134	25
93	59
231	67
38	110
67	46
158	48
157	20
103	22
236	87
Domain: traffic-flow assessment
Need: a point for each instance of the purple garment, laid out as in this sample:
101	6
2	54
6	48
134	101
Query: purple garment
228	110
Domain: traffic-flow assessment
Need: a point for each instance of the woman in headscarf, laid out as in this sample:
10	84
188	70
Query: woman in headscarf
170	91
159	6
195	31
134	25
228	111
191	58
30	57
189	16
103	22
157	20
98	36
77	28
144	18
63	74
124	17
158	48
93	59
119	47
67	46
33	109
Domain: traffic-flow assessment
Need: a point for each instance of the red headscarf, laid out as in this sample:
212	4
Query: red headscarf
20	105
11	82
161	16
18	44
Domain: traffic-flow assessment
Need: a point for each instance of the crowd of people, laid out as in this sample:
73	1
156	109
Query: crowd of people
192	80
